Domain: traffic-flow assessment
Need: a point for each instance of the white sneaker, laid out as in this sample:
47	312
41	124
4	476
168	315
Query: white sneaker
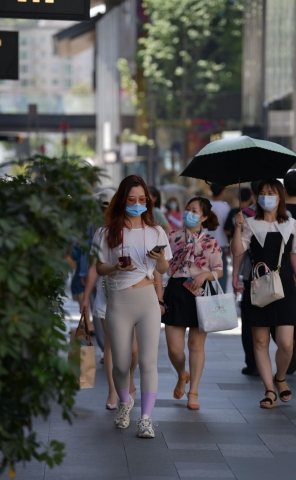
145	427
122	418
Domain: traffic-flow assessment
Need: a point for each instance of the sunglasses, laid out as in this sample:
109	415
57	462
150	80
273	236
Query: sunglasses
141	200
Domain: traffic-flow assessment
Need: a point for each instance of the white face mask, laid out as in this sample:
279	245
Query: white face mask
268	202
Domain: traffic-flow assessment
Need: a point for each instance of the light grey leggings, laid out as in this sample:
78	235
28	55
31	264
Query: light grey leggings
126	309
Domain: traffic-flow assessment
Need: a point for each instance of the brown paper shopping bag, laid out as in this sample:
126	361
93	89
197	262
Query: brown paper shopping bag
83	355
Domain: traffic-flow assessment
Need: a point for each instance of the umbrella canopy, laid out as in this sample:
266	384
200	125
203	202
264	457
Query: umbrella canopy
241	159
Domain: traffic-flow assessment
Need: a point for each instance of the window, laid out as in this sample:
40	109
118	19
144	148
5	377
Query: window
24	68
68	69
55	81
24	40
24	83
24	55
55	68
68	83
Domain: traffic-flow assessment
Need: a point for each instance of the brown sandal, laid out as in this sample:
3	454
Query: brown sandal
177	393
192	406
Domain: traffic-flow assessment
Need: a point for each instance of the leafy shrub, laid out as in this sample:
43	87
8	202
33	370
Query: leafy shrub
40	211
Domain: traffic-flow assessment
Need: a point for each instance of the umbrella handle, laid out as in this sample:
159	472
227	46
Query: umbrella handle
239	194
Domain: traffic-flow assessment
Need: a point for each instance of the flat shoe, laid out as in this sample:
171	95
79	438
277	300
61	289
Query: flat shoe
111	406
270	403
192	406
177	393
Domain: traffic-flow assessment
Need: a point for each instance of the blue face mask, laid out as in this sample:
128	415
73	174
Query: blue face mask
135	210
267	202
173	205
190	219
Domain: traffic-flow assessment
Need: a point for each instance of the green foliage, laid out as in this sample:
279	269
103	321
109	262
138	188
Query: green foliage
191	48
40	211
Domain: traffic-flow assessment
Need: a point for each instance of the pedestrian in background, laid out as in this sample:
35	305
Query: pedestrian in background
78	283
132	301
159	217
242	267
97	283
290	187
245	201
173	213
221	209
196	254
264	234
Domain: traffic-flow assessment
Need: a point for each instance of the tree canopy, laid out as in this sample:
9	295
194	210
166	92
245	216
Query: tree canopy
191	50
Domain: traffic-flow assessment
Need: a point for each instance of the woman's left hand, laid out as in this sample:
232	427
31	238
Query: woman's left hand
162	310
199	280
156	256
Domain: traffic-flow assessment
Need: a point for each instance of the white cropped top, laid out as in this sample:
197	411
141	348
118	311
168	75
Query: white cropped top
138	251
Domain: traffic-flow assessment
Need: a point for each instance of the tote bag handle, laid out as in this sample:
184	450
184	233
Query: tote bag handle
208	289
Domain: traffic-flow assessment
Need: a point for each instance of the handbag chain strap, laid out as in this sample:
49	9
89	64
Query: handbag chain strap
280	256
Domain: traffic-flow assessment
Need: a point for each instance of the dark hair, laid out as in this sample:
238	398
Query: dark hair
116	217
245	194
275	185
211	223
155	193
254	186
173	199
290	183
216	189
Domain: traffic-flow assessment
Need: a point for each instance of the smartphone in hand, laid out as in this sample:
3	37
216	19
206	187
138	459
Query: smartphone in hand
158	248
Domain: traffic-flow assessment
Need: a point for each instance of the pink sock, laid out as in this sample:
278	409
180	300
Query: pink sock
124	395
147	403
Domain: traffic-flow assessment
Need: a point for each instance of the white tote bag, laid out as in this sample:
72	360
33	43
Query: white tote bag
216	312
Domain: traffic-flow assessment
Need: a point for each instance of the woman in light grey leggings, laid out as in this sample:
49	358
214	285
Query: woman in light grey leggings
129	308
132	301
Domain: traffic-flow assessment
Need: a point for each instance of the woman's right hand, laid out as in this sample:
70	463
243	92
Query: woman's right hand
119	268
239	219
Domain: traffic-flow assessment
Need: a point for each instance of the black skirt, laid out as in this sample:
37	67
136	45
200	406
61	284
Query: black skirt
181	304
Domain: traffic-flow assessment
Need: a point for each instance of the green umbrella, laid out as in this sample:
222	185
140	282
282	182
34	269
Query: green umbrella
241	159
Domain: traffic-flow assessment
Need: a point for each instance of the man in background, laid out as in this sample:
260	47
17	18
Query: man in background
221	209
246	201
290	187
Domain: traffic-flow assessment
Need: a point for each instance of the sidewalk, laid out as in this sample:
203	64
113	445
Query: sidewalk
230	437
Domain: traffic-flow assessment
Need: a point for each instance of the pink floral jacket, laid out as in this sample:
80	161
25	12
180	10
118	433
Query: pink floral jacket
193	253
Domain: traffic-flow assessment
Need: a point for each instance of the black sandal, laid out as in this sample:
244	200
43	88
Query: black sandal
272	403
285	393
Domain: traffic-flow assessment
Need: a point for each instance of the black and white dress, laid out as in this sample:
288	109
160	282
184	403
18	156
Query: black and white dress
264	240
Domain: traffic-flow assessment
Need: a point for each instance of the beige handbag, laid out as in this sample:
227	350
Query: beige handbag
268	288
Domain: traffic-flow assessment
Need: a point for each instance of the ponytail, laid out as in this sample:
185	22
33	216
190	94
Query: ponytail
211	223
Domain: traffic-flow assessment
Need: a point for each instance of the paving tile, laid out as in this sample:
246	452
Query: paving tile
236	386
155	477
259	418
279	443
192	446
261	468
287	428
201	456
203	470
